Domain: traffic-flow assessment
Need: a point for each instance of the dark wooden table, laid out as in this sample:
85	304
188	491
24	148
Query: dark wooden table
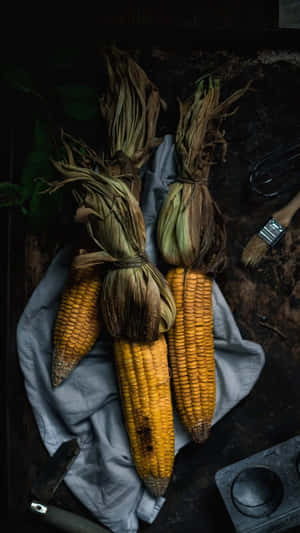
267	116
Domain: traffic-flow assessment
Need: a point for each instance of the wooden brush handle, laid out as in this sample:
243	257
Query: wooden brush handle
285	215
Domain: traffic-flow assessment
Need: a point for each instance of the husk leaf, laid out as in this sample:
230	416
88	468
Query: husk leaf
130	107
136	300
191	230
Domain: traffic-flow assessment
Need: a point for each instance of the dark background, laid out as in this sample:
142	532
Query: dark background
170	43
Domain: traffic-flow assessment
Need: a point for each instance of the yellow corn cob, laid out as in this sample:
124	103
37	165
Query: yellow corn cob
191	350
144	384
77	325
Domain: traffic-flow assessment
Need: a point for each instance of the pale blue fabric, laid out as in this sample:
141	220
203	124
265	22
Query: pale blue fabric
87	405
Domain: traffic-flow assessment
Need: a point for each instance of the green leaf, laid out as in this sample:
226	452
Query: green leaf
41	138
79	101
10	194
39	208
43	208
19	79
37	164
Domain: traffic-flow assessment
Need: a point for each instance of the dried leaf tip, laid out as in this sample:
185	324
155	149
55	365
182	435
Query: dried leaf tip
191	230
130	107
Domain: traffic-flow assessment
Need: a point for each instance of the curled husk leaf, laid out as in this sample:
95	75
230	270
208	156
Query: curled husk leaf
136	301
191	230
130	106
188	210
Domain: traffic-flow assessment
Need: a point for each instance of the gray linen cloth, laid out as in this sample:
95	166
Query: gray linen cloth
87	406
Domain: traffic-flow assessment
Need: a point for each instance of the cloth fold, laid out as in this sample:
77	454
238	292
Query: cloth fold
87	406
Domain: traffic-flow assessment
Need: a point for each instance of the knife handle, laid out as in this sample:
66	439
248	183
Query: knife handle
65	520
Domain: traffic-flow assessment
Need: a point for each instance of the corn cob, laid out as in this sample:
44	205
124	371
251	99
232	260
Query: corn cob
77	323
191	350
144	384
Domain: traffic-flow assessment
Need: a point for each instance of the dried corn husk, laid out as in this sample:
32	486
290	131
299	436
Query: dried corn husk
191	230
130	106
136	300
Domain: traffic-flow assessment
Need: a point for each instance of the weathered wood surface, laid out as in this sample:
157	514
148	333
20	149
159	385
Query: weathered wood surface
269	415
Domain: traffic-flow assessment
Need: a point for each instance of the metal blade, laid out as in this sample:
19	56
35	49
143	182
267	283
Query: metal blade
54	471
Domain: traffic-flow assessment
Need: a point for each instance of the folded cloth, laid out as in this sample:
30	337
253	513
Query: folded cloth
86	406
